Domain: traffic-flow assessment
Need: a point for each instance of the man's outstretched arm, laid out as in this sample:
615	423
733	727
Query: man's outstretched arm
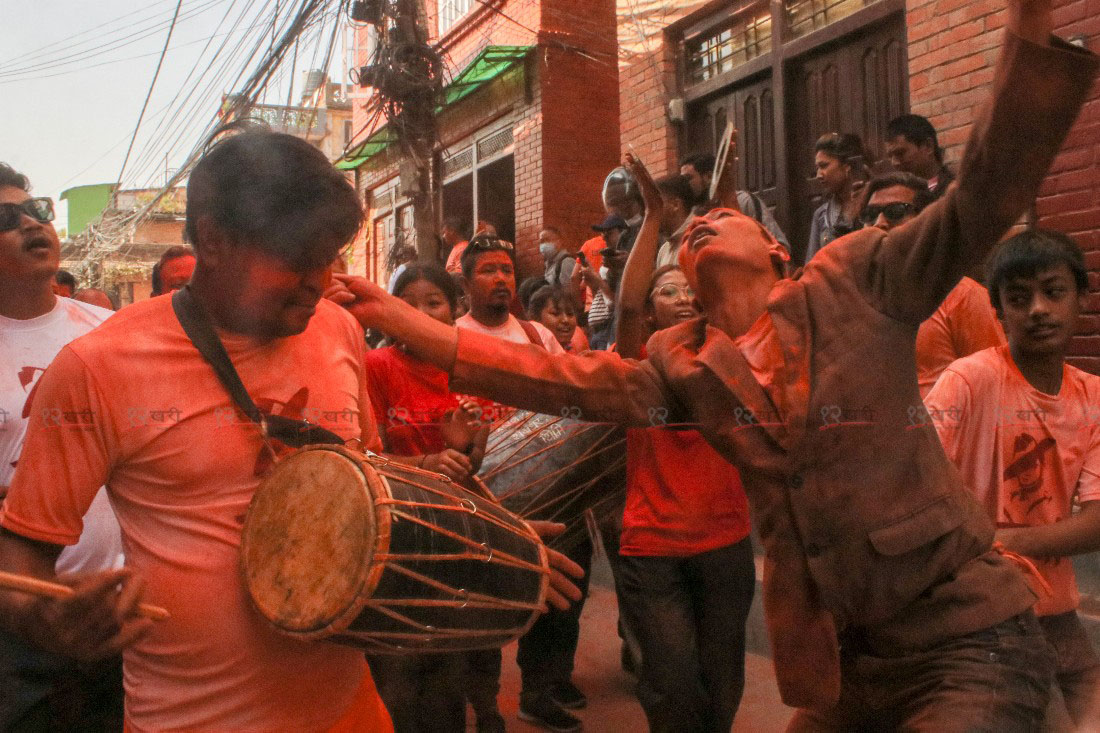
595	386
1040	85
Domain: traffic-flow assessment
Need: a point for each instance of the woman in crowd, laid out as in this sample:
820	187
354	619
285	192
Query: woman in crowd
417	414
687	567
839	163
554	308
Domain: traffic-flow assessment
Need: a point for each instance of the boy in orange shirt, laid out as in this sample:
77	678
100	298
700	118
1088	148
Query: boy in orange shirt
1021	426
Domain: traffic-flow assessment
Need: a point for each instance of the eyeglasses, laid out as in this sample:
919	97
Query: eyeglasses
893	212
673	292
40	209
487	243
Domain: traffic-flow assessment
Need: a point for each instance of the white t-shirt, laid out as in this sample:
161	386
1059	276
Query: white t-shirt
26	348
512	331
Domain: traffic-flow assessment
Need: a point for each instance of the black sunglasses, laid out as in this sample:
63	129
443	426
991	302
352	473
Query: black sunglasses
893	212
40	209
487	243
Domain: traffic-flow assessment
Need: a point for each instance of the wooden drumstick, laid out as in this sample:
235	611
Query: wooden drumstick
34	586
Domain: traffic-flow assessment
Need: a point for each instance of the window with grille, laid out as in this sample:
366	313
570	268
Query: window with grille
450	11
804	16
727	47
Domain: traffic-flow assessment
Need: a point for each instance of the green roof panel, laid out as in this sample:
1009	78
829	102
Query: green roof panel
486	66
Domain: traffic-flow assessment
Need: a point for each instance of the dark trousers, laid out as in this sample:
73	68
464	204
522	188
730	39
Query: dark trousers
45	692
1075	699
689	614
546	651
992	681
422	692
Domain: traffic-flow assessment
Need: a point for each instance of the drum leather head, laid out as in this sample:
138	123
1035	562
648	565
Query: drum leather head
308	539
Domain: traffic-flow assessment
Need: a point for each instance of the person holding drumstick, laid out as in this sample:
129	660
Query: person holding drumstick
267	215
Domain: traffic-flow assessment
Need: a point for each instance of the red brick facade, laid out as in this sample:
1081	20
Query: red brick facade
952	47
571	98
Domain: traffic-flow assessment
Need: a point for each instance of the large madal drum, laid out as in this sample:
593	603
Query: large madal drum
360	550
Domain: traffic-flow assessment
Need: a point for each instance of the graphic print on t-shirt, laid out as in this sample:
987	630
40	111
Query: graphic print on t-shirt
1023	477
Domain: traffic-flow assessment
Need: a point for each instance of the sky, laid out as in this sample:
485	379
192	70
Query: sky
74	75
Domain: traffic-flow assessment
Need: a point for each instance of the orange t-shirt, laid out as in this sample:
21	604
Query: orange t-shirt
964	323
180	467
1023	453
454	258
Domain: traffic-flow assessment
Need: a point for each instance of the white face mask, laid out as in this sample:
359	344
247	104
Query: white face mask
547	250
604	271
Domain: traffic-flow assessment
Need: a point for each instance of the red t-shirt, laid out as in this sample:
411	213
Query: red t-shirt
409	398
682	497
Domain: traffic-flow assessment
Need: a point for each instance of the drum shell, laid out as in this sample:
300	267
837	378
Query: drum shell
442	569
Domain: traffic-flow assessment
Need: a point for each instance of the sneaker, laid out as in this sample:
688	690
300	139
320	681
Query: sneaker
541	710
568	696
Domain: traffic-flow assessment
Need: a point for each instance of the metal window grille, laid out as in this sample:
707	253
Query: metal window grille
458	162
804	16
450	11
727	48
496	143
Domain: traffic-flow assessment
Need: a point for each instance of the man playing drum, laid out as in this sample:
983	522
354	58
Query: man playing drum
267	215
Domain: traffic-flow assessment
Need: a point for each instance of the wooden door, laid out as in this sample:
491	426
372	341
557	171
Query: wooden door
857	84
751	106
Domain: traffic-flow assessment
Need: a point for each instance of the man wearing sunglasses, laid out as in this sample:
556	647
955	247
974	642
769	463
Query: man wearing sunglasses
964	323
38	688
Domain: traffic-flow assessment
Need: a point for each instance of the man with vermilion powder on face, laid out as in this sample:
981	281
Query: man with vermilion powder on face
886	604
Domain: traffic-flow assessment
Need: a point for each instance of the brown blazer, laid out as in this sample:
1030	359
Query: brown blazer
864	520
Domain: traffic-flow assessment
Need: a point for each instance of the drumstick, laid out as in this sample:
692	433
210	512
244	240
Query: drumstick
34	586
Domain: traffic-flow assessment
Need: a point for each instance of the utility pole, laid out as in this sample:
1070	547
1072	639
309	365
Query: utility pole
423	70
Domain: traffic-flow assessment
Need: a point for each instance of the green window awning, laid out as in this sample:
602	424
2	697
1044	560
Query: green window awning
492	62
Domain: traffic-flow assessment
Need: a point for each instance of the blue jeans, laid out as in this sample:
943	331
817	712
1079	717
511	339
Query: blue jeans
689	614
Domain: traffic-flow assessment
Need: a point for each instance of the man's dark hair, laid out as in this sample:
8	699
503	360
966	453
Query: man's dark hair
275	192
172	253
64	277
915	129
702	162
1029	253
478	246
529	287
551	228
11	177
455	224
549	295
844	146
677	187
433	273
921	198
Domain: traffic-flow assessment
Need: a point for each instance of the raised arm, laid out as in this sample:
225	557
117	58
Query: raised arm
599	386
1038	89
631	332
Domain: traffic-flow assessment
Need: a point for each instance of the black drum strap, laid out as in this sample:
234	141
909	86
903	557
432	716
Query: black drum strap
202	334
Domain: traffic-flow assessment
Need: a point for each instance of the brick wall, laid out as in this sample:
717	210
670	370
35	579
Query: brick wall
953	45
566	131
647	72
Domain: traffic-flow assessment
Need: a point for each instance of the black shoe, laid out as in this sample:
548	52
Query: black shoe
568	696
540	709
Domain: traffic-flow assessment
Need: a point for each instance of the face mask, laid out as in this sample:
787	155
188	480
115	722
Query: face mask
604	272
547	250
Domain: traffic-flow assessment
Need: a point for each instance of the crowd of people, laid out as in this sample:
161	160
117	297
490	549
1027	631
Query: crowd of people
917	458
